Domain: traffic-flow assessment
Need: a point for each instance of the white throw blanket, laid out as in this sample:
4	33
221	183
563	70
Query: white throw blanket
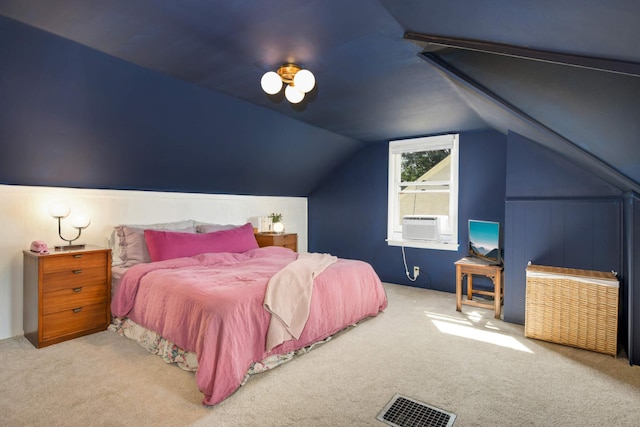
288	297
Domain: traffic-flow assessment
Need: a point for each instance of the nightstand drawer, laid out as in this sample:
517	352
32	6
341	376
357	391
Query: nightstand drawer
289	239
73	261
69	279
73	320
67	299
285	240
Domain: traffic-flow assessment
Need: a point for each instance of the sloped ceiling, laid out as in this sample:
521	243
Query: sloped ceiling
374	85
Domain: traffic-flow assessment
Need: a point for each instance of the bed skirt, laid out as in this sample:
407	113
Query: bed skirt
187	360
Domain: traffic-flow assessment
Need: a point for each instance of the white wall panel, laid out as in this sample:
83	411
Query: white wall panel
24	217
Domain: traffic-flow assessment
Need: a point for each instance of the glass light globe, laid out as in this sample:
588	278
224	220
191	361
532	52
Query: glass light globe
304	80
293	95
80	221
271	82
58	210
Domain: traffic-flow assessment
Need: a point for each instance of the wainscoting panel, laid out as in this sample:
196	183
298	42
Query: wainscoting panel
572	233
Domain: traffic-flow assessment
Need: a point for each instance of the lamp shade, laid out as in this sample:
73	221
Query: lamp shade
80	221
304	81
293	95
58	210
271	82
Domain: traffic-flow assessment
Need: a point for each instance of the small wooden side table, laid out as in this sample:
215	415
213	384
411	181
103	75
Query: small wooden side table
469	266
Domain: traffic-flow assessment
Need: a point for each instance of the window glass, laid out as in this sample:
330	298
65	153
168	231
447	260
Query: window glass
423	181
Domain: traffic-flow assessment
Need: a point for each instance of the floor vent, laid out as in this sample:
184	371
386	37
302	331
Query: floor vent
403	411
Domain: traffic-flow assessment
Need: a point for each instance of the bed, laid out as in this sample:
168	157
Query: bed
234	307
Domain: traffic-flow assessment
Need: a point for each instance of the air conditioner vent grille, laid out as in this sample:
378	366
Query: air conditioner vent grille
419	227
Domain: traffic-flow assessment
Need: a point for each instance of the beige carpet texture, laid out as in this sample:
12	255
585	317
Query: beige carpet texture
468	363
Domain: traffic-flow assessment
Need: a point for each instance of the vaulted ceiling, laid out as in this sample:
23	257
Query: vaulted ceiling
574	85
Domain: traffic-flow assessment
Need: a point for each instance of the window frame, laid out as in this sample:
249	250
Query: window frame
396	149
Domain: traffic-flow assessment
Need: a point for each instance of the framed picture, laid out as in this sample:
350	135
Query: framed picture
485	240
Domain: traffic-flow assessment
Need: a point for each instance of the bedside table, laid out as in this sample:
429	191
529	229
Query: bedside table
285	240
469	266
66	294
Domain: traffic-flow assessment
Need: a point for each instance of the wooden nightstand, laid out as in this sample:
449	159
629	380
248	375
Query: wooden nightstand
286	240
66	294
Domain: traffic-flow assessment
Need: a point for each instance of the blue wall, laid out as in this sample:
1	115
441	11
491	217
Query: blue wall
574	233
348	212
72	116
558	215
553	212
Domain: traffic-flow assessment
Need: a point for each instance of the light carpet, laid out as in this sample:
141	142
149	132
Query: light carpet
481	369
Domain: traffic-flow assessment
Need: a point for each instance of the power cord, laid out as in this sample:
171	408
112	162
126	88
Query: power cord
406	269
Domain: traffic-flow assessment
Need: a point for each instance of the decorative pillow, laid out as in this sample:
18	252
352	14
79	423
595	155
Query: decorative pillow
165	245
132	245
116	242
210	228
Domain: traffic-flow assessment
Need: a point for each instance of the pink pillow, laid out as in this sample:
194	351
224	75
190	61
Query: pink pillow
164	245
133	249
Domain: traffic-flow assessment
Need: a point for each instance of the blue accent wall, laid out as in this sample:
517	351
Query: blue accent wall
553	212
72	116
348	212
584	234
559	215
556	214
536	172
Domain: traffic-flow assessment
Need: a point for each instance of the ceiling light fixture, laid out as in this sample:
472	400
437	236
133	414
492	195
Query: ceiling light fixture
299	82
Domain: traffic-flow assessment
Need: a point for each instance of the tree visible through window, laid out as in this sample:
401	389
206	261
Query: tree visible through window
414	165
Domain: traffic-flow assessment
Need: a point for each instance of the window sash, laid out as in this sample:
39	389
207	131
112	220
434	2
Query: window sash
396	149
424	183
433	190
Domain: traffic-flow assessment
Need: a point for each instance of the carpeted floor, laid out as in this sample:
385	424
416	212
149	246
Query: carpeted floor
479	368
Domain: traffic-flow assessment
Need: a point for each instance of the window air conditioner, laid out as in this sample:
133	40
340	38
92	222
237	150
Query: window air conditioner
419	227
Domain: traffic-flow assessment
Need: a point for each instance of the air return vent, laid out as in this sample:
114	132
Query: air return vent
403	411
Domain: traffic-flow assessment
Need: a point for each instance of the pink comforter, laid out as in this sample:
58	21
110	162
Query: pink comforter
212	304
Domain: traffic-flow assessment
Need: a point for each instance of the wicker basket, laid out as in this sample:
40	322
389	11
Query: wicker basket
578	308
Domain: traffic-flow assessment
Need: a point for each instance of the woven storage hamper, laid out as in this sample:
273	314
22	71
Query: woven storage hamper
578	308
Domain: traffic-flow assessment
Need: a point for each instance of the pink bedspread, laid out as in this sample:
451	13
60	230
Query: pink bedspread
212	304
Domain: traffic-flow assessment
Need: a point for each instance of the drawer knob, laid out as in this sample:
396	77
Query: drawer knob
77	310
77	289
77	271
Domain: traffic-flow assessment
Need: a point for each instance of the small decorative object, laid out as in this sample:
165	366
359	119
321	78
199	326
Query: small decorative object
265	224
59	210
39	247
276	219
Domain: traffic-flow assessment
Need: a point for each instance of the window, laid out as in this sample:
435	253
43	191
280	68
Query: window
423	181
